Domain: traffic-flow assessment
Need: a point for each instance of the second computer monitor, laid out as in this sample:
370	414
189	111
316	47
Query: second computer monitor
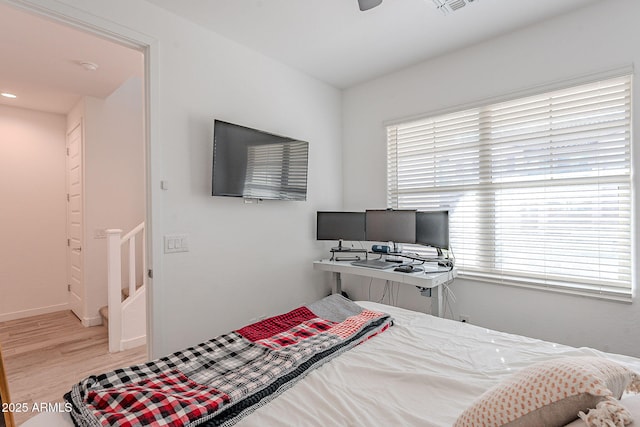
432	229
391	226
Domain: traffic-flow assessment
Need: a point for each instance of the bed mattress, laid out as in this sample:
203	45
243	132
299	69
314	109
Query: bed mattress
423	371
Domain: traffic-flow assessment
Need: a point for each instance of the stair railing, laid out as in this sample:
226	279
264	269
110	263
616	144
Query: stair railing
114	279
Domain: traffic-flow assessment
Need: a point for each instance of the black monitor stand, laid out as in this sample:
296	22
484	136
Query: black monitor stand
342	249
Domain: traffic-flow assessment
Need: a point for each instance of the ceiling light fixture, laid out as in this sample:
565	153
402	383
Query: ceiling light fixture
89	66
8	95
368	4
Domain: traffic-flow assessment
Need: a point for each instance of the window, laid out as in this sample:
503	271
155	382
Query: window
538	188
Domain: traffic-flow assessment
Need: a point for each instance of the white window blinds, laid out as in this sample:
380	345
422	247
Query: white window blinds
538	189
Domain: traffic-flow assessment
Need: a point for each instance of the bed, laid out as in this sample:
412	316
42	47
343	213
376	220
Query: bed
421	371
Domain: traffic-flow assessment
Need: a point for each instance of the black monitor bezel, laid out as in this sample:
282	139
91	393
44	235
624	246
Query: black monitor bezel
392	237
356	237
428	242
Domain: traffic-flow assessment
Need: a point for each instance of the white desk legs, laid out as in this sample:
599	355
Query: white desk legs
436	301
338	283
427	283
436	295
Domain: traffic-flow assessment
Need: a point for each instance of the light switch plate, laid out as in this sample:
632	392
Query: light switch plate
176	243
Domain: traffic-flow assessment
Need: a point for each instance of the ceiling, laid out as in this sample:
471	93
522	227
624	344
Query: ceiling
41	63
336	43
331	40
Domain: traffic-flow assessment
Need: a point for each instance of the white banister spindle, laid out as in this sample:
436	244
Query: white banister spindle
114	287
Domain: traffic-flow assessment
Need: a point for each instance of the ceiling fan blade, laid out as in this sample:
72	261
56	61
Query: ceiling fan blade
368	4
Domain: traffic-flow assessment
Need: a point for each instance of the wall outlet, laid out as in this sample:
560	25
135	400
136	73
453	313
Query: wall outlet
463	318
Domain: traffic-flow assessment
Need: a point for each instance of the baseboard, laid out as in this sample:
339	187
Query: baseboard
33	312
92	321
134	342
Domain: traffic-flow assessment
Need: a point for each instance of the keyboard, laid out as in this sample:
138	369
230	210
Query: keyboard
375	263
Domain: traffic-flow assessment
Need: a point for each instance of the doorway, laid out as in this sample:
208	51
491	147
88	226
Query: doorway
79	244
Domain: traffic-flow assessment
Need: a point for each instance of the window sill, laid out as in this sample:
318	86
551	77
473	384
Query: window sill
623	296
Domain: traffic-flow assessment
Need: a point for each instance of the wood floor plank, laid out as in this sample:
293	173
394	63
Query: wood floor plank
45	355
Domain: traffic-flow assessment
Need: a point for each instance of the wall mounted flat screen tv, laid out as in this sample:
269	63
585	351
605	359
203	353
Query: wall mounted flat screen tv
253	164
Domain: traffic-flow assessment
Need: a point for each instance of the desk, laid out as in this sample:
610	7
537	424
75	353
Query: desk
431	281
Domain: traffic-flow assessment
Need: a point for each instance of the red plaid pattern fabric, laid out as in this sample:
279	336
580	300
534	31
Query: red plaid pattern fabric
170	399
274	325
296	334
354	323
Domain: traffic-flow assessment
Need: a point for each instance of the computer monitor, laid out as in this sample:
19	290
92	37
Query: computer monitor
432	229
390	226
340	226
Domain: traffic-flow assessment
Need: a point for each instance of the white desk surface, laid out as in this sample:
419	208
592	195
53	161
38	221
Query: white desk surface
428	280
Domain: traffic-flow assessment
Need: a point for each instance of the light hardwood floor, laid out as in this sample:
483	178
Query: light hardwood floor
45	355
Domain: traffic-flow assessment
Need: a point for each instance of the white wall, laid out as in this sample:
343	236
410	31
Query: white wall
32	213
600	37
245	260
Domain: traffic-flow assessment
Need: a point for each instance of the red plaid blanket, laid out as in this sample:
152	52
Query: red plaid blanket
164	400
222	380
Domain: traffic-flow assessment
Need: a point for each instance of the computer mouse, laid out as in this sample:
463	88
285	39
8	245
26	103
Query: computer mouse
404	268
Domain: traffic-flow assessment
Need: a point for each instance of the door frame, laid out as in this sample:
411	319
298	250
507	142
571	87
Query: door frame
79	19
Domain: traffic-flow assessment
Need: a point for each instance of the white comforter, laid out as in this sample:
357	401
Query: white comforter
424	371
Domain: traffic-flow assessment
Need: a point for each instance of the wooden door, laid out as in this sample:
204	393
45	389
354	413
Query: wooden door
75	283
